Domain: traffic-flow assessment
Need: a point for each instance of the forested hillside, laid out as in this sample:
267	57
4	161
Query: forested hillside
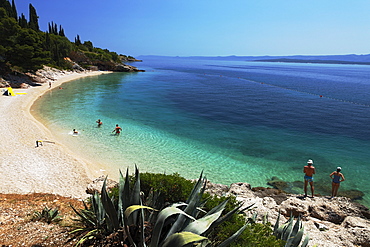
24	47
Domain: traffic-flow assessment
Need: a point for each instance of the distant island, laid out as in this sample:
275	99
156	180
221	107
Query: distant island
319	59
290	60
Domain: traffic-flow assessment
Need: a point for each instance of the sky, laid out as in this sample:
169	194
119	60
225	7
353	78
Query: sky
212	27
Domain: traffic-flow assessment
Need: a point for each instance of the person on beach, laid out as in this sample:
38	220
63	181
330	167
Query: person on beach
336	177
99	122
117	130
309	170
75	132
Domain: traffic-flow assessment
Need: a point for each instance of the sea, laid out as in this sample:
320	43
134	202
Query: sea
235	120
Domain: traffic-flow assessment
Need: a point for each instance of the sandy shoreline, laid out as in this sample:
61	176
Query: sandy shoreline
25	168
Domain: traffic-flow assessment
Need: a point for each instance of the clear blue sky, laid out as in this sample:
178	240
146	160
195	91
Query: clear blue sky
212	27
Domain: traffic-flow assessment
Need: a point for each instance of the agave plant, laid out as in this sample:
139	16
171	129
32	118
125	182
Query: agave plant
289	233
136	224
47	215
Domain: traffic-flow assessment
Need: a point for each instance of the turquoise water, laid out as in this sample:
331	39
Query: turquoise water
238	121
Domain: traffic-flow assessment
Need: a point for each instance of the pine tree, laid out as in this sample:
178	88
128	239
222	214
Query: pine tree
77	40
8	8
22	21
61	31
33	21
14	11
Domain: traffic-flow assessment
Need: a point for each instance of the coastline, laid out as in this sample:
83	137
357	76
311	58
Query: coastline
50	168
54	168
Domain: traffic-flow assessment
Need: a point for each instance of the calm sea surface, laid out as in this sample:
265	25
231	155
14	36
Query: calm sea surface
238	121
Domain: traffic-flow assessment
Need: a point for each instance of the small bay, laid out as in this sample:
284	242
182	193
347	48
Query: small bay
239	121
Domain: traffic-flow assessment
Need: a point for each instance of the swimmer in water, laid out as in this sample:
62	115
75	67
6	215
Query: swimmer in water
99	122
117	129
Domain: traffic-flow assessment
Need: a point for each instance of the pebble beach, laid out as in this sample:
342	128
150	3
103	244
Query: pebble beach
47	168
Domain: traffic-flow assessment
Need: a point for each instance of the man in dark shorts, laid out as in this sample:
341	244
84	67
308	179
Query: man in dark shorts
117	130
309	170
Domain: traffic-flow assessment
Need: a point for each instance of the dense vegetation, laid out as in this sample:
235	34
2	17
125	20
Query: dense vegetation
25	48
167	210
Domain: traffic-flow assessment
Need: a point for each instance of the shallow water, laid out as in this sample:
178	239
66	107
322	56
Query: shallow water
238	121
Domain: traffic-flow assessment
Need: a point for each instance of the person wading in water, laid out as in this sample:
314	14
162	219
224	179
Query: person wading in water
117	130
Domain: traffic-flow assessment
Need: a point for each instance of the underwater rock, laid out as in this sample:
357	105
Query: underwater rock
353	194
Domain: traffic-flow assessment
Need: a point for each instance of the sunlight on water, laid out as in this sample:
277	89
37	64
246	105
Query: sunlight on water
247	125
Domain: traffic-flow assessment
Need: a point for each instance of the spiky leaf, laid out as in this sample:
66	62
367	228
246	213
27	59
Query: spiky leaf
182	238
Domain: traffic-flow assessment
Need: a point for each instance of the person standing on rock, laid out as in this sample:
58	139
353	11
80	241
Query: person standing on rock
337	177
308	170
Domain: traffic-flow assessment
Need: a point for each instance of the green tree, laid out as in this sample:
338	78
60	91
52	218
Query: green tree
78	40
34	19
89	45
14	11
7	6
61	31
8	29
22	21
28	52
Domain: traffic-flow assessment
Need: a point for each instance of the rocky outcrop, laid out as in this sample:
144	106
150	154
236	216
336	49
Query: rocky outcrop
335	222
24	80
97	184
329	222
117	67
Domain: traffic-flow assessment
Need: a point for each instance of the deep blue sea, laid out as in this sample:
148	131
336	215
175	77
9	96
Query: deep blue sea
239	121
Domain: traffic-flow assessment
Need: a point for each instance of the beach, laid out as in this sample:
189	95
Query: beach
49	168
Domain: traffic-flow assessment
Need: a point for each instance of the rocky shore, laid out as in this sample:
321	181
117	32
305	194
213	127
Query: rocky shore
335	222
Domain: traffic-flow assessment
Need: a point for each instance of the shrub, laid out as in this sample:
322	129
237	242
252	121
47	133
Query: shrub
173	188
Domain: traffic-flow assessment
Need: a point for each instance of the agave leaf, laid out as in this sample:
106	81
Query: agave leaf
82	216
233	237
162	216
295	240
296	227
123	196
201	225
87	236
135	197
133	208
182	238
142	228
305	242
98	209
109	207
218	207
77	230
288	229
196	188
193	202
179	204
276	227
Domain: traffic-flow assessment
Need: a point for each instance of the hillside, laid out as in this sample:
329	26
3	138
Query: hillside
25	48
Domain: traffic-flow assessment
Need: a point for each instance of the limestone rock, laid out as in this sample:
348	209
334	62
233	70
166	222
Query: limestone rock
335	222
97	184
